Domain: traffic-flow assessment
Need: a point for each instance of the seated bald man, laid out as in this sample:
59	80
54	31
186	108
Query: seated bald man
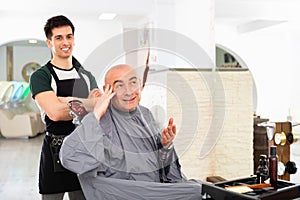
120	153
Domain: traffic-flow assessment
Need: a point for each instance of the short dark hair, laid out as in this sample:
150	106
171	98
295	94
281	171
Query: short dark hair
55	22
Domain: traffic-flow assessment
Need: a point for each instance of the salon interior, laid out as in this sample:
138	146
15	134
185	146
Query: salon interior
227	71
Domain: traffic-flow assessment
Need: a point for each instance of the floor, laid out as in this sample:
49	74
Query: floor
19	162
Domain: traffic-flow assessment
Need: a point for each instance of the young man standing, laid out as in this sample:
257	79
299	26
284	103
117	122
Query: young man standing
62	76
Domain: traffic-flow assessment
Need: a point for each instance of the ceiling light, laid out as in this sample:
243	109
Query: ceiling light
32	41
107	16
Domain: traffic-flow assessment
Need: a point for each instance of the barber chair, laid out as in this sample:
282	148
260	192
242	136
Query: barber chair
17	91
17	118
6	89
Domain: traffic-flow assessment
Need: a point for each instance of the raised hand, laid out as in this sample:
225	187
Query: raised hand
103	102
94	93
168	134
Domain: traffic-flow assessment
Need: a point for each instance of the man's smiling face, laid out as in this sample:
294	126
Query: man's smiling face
126	85
62	42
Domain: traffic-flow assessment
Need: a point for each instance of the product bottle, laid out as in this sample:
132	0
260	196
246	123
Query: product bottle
273	160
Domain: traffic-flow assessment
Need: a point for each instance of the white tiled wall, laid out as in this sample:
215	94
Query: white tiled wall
215	134
213	112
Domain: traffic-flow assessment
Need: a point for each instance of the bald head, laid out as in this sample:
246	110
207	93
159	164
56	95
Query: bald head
116	72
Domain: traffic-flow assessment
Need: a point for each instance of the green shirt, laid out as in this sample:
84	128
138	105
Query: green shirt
42	80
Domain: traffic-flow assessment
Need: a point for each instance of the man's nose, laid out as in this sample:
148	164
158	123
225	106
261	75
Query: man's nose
65	41
129	89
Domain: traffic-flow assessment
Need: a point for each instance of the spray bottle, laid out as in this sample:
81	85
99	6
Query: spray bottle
273	161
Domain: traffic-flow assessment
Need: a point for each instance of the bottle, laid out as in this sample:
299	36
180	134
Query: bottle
273	161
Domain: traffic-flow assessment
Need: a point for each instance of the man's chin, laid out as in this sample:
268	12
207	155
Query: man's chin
125	106
130	108
66	56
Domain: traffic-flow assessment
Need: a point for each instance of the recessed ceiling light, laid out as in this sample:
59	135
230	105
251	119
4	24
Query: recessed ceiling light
107	16
32	41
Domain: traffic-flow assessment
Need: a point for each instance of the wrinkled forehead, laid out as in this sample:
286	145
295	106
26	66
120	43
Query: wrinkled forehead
123	74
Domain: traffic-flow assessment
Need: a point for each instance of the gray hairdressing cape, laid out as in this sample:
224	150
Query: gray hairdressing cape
122	158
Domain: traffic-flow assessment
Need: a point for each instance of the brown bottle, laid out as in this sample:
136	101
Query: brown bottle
273	160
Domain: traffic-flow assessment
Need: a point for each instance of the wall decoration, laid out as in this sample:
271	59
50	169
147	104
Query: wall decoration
28	69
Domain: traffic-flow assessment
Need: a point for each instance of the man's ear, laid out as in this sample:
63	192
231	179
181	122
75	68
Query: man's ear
48	42
141	88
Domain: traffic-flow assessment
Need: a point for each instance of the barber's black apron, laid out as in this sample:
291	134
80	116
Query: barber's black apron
56	182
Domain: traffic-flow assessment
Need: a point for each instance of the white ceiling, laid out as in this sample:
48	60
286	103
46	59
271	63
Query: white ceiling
244	15
235	9
77	7
250	15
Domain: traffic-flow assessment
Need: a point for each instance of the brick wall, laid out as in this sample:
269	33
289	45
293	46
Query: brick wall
213	112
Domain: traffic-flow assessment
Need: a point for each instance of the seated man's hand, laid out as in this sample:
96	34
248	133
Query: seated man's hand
103	102
168	134
95	93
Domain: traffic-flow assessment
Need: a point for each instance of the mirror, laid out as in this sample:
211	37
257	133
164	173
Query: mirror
28	69
226	59
18	59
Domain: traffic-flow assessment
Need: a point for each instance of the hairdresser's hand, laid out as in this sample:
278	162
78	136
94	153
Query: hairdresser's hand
65	99
103	102
168	134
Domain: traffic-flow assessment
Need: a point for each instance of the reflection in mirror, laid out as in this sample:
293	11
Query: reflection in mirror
15	55
227	59
28	69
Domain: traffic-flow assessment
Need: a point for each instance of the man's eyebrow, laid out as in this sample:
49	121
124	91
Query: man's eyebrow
120	81
68	35
132	78
117	81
